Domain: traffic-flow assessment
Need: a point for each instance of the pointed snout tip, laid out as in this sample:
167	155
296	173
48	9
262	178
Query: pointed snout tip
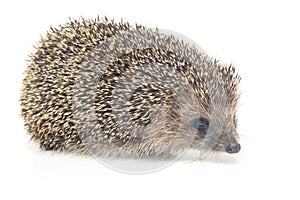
233	148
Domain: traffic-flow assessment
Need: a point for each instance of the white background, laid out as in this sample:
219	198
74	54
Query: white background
262	38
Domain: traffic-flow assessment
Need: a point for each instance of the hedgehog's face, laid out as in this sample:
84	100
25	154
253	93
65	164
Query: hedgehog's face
218	134
212	127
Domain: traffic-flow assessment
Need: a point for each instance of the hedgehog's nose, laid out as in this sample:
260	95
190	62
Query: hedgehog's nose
233	148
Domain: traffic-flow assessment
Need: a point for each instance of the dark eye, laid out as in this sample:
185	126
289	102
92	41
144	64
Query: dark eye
203	125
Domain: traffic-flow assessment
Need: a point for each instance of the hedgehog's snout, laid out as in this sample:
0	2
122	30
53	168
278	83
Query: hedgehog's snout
233	147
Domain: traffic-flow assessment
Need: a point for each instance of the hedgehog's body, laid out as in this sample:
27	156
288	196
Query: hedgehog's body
116	90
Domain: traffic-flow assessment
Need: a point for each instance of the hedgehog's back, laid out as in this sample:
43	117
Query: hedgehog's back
46	97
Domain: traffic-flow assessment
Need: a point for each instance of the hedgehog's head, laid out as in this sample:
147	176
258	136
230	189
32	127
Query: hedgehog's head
216	124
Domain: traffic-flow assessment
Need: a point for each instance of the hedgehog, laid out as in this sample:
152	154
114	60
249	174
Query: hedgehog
111	89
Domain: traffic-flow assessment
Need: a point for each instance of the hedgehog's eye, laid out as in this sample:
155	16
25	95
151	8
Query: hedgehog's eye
202	126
